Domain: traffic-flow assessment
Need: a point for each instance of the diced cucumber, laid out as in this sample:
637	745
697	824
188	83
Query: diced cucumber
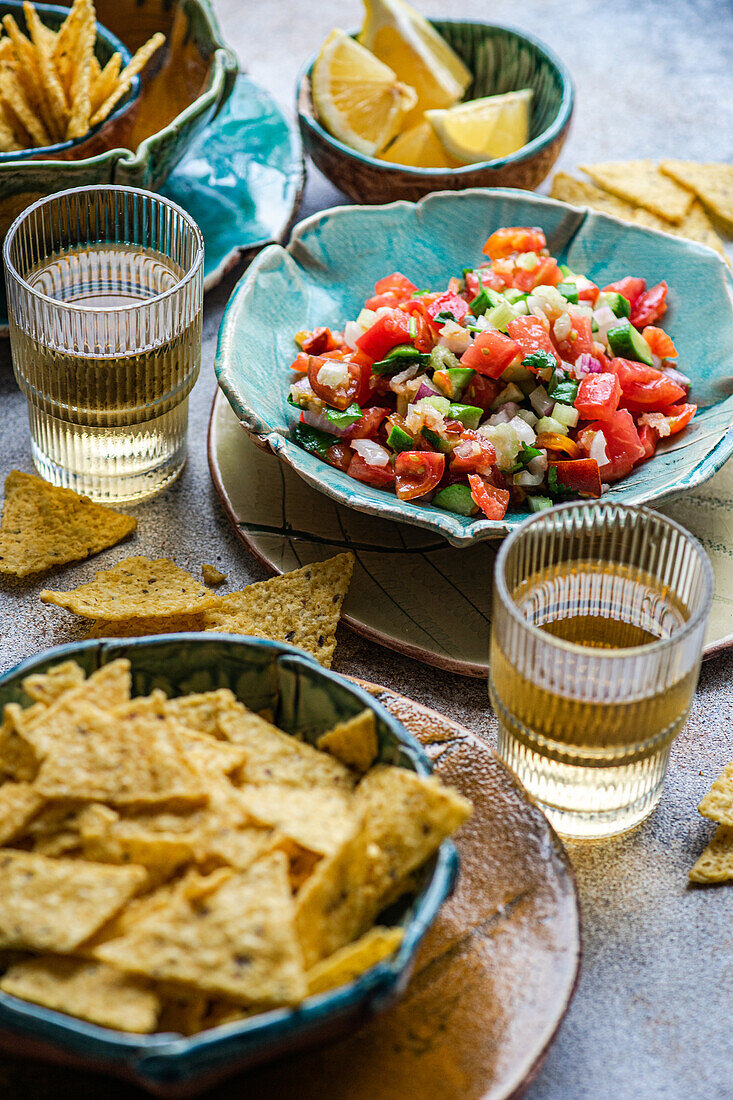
343	418
399	440
565	271
401	356
539	504
485	299
501	315
435	401
516	373
549	424
569	292
566	414
626	342
528	417
313	440
509	393
468	415
615	302
513	295
456	498
453	381
442	358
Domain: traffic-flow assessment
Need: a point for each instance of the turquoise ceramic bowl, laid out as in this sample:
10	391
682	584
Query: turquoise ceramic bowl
334	259
502	59
306	699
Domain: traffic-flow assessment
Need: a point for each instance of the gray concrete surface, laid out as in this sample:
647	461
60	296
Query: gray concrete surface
651	1017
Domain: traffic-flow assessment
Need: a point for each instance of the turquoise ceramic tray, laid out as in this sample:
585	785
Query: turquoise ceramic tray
334	258
306	699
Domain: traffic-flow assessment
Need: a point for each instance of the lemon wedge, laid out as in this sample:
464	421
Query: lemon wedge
356	97
483	129
404	40
419	147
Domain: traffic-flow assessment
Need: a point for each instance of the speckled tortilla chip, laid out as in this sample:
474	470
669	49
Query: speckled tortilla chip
56	904
201	711
302	607
96	756
718	802
716	862
43	526
334	907
354	959
46	687
144	626
238	941
136	587
19	804
18	759
695	226
90	990
641	183
353	742
212	575
712	183
319	818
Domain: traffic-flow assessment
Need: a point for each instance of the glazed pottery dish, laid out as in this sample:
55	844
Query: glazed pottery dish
304	700
316	282
501	59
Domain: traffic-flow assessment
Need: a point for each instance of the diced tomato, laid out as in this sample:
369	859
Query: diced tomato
391	291
560	444
630	287
530	335
580	341
598	396
378	476
587	291
417	473
668	421
645	389
481	392
504	242
473	454
546	273
366	428
339	455
449	303
581	476
623	446
340	397
493	502
318	341
484	277
300	363
659	342
490	353
648	437
650	306
387	332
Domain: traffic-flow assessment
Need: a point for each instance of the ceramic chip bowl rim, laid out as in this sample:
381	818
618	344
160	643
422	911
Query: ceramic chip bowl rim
458	530
554	130
171	1064
47	152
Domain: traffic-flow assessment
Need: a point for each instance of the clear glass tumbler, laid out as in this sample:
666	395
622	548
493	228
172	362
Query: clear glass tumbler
105	301
598	623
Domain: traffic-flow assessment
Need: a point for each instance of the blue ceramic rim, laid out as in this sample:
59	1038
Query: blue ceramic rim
116	47
375	985
532	147
440	522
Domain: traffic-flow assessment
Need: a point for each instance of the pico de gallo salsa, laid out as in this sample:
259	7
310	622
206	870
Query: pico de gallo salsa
520	384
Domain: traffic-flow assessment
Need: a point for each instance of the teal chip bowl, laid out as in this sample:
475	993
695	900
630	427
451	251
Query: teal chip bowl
501	59
306	699
335	257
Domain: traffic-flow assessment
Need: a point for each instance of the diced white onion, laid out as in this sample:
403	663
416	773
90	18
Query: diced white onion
352	332
605	318
371	452
562	327
500	417
527	261
333	374
404	375
541	402
524	433
454	337
538	464
528	416
566	414
528	480
598	449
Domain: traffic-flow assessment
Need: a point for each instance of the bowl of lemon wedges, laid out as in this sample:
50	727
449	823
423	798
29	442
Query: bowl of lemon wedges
406	106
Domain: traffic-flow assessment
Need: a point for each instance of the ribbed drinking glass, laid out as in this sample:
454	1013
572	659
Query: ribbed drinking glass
105	301
598	624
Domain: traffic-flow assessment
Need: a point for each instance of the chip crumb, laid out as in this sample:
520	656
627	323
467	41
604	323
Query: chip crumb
212	575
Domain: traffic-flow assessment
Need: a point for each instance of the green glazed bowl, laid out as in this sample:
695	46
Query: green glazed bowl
306	699
501	59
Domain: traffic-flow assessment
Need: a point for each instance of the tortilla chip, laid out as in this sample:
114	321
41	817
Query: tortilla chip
81	89
318	818
89	990
201	711
135	587
56	904
93	755
19	804
352	961
18	760
718	802
353	742
712	183
302	607
716	862
142	627
333	907
407	817
212	575
46	687
219	1013
239	941
641	183
182	1010
695	226
43	526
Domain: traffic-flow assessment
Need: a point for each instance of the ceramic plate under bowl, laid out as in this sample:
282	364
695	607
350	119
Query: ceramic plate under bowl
335	257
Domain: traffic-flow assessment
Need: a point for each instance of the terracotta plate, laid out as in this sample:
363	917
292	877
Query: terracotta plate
412	591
